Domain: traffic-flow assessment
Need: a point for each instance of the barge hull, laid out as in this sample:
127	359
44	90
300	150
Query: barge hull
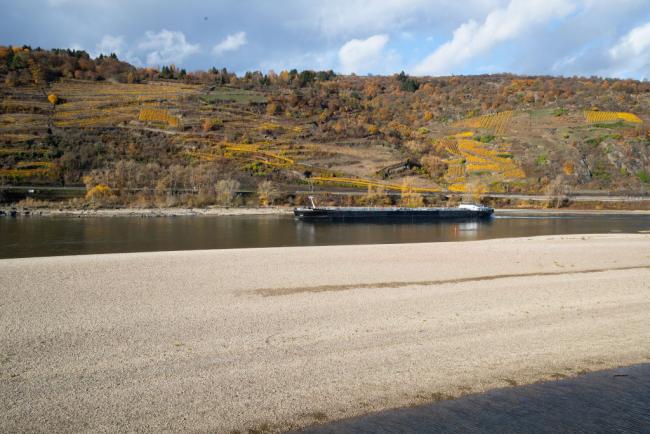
390	214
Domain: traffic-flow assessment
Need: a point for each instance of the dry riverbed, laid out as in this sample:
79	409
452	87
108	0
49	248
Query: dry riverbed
279	338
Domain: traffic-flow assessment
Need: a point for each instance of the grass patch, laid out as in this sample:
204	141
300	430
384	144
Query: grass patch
561	111
643	176
601	173
610	125
542	160
240	96
595	141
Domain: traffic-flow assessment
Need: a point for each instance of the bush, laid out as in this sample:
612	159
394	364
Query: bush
643	176
212	124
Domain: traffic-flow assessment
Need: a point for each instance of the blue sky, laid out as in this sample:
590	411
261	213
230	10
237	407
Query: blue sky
436	37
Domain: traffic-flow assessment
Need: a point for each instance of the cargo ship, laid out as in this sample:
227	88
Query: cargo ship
463	211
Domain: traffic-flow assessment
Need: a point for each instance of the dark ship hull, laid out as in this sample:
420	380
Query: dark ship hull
420	214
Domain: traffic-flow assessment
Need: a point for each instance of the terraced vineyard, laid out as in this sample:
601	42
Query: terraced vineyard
471	158
161	136
593	116
497	122
159	116
111	104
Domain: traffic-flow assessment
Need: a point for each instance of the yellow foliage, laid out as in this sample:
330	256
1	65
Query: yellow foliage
98	192
53	98
210	124
28	169
158	115
270	126
471	156
365	183
497	122
568	168
593	116
458	187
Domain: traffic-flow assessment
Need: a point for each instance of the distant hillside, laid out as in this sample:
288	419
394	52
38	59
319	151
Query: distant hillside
167	136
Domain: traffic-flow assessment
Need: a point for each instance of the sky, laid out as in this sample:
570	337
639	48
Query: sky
607	38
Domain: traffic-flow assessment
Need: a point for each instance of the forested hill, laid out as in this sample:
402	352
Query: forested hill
169	136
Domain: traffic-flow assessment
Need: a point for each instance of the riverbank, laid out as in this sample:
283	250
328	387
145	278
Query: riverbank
233	211
280	338
146	212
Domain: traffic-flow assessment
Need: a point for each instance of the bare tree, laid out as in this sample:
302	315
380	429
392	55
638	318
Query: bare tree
474	191
226	190
557	191
410	199
267	193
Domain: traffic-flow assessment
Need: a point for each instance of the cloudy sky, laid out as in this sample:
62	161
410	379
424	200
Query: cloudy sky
423	37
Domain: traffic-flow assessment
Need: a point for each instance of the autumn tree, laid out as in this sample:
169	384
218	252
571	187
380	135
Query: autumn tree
377	196
267	193
474	191
435	166
557	192
226	190
410	198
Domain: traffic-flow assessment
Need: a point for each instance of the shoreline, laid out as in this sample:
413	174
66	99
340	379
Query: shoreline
278	210
284	338
150	212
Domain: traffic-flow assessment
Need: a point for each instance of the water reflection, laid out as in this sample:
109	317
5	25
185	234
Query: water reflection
45	236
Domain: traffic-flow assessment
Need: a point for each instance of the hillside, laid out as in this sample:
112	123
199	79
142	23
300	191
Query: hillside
168	137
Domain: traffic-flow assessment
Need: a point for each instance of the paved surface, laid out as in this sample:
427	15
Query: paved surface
281	338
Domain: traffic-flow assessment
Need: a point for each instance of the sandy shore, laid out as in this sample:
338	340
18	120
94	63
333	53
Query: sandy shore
277	338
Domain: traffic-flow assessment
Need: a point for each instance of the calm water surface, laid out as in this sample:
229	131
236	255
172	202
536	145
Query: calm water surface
50	236
613	401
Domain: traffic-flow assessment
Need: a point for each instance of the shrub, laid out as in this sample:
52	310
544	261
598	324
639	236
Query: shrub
542	160
99	195
643	176
212	124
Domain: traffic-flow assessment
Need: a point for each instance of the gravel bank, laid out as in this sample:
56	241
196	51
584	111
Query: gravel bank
280	338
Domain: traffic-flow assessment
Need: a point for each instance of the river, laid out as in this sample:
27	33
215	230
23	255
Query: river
53	236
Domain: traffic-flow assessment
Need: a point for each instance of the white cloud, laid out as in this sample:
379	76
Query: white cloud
362	55
345	18
167	47
472	39
631	54
110	44
230	43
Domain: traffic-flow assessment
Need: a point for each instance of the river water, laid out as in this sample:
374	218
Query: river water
51	236
612	401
